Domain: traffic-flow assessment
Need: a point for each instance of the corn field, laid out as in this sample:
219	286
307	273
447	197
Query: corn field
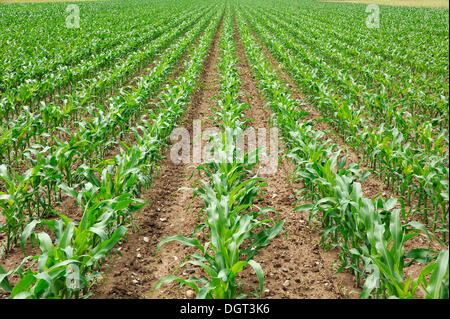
97	202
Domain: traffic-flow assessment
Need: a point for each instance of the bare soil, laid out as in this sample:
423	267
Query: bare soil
296	266
69	208
135	274
302	269
373	186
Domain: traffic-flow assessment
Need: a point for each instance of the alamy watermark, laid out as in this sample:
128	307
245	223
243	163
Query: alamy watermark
73	277
73	19
234	145
373	19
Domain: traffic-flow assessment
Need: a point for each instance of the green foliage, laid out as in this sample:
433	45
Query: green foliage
368	232
228	191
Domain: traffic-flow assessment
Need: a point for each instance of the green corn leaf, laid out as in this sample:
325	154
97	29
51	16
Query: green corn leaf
45	243
259	273
437	277
182	239
23	285
170	279
4	282
29	229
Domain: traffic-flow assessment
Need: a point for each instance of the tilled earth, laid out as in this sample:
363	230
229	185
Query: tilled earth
294	263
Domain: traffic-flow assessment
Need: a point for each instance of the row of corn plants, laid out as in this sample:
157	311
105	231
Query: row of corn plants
423	136
398	90
232	222
415	38
41	48
35	192
68	78
19	133
368	231
420	134
71	262
408	170
53	119
92	50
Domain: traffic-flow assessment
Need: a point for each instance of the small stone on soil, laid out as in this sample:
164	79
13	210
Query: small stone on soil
190	293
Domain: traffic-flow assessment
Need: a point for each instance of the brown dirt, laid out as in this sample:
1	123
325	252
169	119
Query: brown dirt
295	267
314	279
69	207
165	215
371	187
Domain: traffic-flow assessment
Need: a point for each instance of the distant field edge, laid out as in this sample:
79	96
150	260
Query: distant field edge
400	3
44	1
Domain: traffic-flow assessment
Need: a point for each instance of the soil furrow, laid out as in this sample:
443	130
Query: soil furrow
374	185
295	267
371	187
135	274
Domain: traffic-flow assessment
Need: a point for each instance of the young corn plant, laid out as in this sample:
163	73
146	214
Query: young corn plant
67	266
367	231
230	218
107	203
